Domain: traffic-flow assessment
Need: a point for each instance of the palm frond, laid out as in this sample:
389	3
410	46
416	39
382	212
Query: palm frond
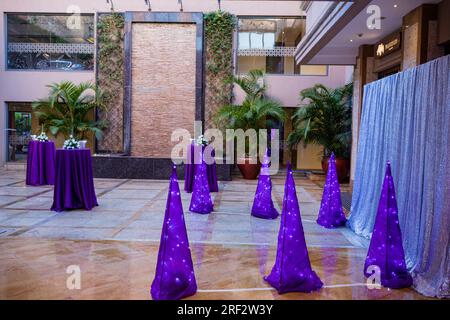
324	118
67	108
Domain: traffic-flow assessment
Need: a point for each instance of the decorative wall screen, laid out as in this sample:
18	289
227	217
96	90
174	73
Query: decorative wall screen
274	52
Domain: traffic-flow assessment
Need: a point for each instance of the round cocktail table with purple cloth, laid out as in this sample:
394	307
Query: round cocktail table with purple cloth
74	182
189	172
40	163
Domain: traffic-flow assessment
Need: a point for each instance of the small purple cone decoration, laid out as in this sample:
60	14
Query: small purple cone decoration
331	214
262	204
386	249
174	276
292	270
201	201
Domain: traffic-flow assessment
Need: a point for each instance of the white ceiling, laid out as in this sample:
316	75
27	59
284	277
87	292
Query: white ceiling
343	49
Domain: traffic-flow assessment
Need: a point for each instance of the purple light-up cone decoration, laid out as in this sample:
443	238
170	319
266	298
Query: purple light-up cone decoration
201	201
174	276
292	270
262	204
331	214
386	248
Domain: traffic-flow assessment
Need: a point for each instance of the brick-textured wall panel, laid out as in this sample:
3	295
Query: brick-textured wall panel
163	85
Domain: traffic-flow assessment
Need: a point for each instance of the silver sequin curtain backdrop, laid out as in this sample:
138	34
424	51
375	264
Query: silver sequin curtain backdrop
405	119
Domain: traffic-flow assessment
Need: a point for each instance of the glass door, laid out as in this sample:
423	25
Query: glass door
19	131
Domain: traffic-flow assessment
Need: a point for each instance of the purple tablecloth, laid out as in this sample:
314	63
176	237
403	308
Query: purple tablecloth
74	182
40	163
189	172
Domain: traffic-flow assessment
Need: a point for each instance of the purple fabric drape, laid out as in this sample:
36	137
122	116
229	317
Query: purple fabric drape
174	276
262	203
189	171
331	214
201	201
74	182
292	269
40	163
386	248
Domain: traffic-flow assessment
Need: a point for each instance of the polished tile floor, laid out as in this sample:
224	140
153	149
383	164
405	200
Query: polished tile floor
116	244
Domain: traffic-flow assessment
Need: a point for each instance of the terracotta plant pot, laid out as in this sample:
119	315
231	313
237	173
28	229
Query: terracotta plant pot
342	168
249	170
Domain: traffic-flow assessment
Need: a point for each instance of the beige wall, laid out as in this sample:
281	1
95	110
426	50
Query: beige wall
246	64
309	157
285	89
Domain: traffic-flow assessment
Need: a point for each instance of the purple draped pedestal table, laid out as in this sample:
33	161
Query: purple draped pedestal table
262	203
386	248
40	163
331	214
174	276
74	181
292	270
189	170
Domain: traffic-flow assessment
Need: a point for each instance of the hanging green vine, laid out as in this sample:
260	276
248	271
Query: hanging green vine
219	29
110	59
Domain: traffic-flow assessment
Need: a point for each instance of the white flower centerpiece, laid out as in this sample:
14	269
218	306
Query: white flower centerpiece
42	137
71	143
201	140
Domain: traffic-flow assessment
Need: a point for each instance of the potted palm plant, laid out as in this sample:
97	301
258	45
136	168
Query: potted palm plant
68	109
326	119
256	112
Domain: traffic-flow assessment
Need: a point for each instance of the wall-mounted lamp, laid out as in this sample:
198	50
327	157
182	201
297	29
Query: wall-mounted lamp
149	5
112	4
180	2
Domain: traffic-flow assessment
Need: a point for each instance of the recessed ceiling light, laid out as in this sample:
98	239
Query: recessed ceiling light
351	40
395	5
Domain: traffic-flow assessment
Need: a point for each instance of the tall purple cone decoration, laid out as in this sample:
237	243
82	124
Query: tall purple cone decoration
201	201
174	277
262	204
386	249
331	214
292	270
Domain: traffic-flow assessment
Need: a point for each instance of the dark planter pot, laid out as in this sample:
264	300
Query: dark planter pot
342	168
249	170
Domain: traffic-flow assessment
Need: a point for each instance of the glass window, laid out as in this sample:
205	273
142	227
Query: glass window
269	44
269	40
50	42
244	40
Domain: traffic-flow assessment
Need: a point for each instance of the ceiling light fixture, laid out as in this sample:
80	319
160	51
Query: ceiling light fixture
395	5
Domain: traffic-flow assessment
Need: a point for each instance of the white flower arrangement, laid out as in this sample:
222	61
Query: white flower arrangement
71	143
42	137
201	140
